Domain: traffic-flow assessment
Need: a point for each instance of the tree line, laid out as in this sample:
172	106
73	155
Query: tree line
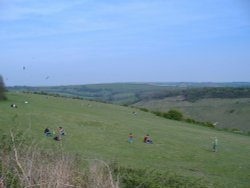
194	94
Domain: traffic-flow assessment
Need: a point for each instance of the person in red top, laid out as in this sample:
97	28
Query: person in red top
147	139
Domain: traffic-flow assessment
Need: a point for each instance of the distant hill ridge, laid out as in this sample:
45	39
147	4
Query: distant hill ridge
130	93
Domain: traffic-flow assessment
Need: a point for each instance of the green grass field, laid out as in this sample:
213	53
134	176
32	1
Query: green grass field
228	104
99	131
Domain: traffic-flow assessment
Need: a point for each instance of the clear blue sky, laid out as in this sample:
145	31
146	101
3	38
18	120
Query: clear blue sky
63	42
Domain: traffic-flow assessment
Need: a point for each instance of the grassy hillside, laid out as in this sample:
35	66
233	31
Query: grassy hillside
225	103
99	131
225	113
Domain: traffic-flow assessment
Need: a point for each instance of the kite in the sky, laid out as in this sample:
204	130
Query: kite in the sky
47	77
24	67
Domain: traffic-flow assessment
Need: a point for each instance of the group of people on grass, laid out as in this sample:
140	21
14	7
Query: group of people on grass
146	139
56	137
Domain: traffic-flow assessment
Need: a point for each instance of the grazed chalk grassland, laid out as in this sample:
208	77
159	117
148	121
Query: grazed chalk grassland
99	131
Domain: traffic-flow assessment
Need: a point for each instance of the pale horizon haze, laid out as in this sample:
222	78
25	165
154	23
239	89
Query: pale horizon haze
71	42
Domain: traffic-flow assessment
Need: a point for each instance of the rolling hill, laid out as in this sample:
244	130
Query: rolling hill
224	104
99	131
228	114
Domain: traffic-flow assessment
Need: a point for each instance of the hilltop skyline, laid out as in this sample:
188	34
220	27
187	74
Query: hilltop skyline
86	42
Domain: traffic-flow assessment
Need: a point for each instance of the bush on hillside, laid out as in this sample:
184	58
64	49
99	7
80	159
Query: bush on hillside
190	120
171	114
144	109
157	113
144	178
206	124
174	114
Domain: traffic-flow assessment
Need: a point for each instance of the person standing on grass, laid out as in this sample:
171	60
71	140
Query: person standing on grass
215	144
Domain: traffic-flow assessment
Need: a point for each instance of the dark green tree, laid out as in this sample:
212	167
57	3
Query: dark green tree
2	89
174	114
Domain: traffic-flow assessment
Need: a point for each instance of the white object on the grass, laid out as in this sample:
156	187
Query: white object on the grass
215	123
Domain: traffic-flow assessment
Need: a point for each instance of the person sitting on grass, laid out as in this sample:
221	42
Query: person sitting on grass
61	131
130	138
47	132
147	139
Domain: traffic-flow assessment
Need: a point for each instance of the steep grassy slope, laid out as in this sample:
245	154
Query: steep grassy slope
99	131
